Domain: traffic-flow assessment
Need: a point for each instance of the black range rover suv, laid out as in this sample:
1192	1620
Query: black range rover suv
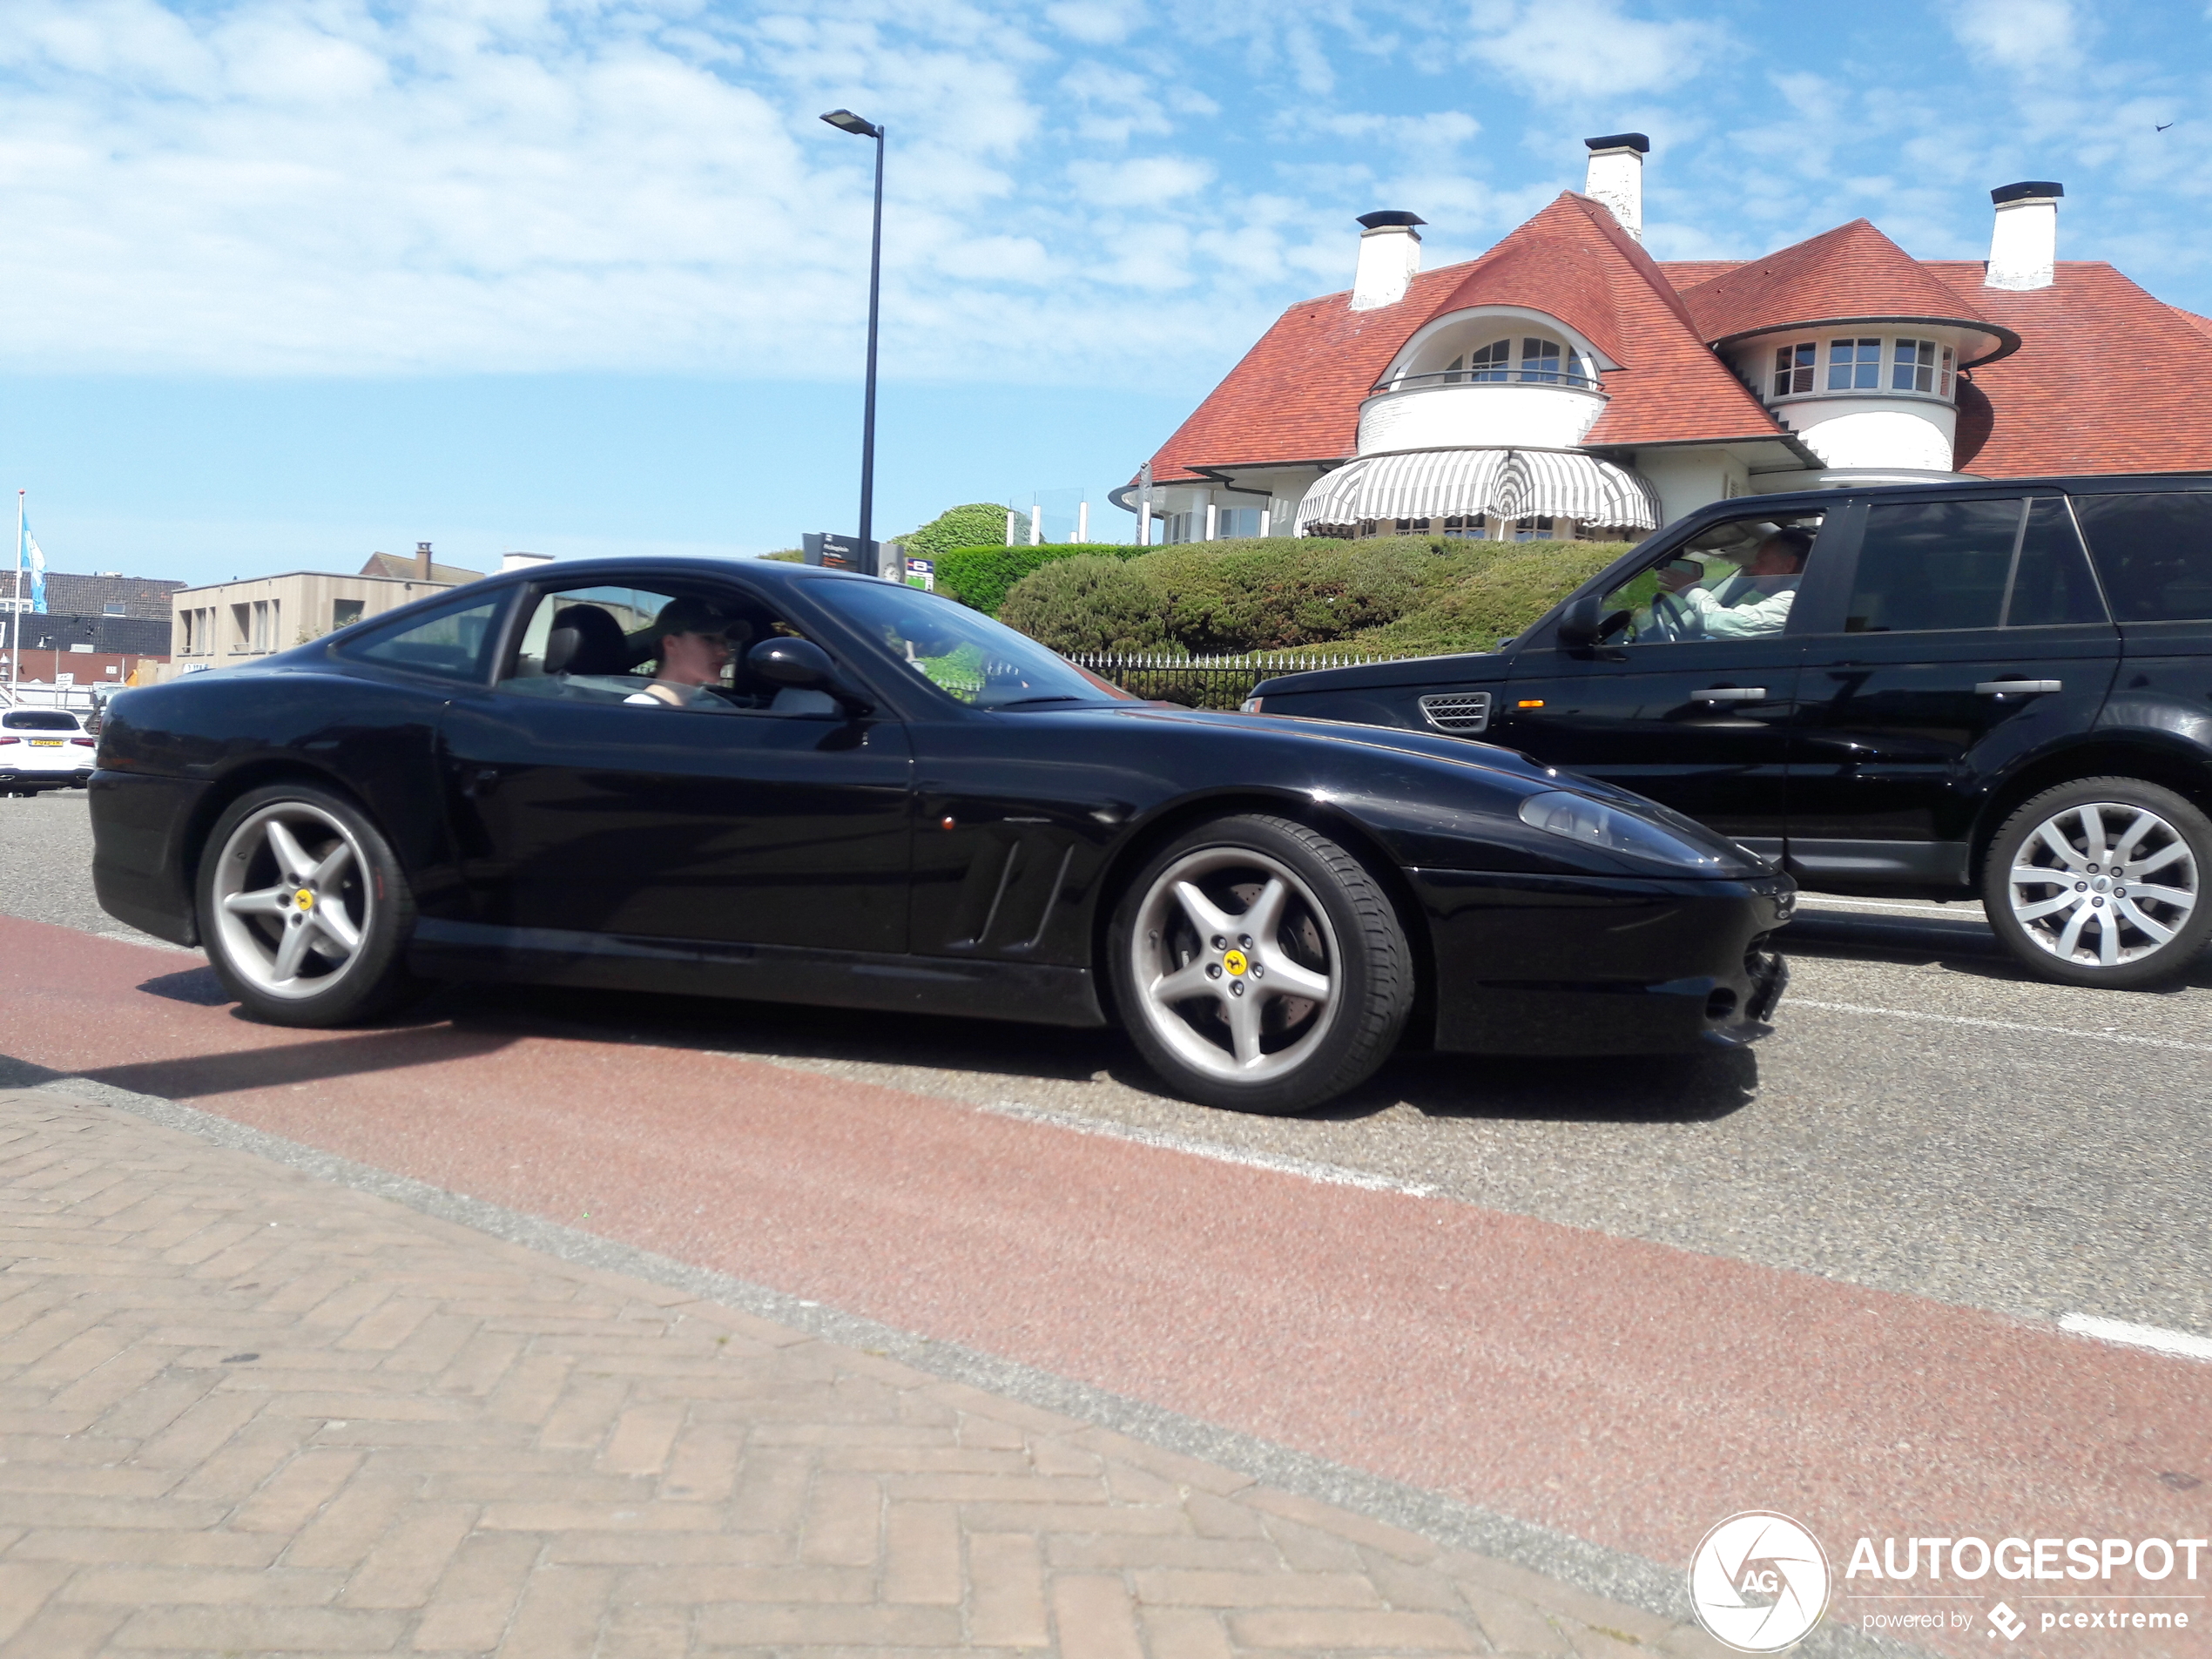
2000	689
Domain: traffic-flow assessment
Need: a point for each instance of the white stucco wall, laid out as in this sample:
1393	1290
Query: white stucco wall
1688	479
1444	417
1862	431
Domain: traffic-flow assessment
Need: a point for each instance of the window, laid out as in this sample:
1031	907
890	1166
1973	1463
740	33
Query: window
241	626
2154	553
1540	360
1236	521
1489	363
1925	566
344	613
1913	370
965	654
1474	526
1742	566
1943	386
113	611
447	646
1854	364
1533	529
1793	369
603	645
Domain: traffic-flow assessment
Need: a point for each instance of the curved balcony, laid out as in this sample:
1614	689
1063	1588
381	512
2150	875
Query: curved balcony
1459	408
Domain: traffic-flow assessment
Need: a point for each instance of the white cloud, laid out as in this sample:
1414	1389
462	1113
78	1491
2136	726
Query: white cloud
1138	183
1593	47
2031	34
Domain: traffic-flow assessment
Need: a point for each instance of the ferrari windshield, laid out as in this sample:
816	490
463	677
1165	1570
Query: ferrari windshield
965	654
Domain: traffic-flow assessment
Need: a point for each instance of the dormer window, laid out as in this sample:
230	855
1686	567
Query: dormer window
1544	362
1855	365
1921	366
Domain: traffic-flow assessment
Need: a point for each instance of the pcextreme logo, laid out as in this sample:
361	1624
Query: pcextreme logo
1759	1582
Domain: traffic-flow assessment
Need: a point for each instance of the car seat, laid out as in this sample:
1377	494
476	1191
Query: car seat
585	640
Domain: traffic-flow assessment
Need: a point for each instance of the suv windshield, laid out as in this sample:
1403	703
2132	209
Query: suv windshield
965	654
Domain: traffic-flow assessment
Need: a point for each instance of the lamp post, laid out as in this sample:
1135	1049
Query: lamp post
846	121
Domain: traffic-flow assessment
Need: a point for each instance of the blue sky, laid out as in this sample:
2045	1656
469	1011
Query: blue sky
292	280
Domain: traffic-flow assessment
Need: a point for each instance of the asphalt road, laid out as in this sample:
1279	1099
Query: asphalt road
1926	1120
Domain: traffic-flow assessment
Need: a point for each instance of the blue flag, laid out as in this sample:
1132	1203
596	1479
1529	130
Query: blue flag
32	550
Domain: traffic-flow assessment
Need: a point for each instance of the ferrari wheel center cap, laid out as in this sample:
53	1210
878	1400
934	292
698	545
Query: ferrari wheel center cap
304	899
1234	960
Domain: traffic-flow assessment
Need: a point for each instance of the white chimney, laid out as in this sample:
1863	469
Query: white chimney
2024	245
1616	177
1390	253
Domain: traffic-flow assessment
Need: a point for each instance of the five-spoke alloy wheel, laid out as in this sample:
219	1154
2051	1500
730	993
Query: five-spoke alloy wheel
303	908
1258	966
2101	882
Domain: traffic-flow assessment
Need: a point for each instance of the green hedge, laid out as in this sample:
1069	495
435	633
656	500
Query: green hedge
980	576
1402	595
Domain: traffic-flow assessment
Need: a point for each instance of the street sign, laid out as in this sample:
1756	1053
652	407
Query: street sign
832	551
923	573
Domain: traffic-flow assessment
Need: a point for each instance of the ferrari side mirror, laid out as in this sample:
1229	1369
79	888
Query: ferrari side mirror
803	665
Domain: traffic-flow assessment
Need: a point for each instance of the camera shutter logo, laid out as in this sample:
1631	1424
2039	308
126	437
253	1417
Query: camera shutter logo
1759	1582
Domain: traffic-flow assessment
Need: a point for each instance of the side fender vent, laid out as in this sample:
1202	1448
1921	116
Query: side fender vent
1461	713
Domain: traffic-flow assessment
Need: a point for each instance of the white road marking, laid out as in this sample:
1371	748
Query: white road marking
1999	1025
1333	1174
2138	1336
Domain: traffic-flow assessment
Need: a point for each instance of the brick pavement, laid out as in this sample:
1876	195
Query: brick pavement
245	1410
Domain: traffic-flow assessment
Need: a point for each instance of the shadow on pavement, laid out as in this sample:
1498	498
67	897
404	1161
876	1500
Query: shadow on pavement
1961	947
317	1060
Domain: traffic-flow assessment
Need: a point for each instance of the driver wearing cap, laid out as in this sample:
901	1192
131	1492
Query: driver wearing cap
694	641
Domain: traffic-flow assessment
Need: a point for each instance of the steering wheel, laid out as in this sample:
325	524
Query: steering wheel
1671	616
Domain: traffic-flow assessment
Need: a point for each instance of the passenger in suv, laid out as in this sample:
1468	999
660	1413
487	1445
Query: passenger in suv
2001	689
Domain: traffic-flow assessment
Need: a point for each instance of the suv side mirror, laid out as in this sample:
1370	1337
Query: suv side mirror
804	666
1581	624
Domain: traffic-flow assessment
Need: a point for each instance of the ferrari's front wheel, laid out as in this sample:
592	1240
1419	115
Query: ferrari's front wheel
304	908
1258	966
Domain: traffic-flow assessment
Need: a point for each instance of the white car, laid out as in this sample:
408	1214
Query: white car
43	749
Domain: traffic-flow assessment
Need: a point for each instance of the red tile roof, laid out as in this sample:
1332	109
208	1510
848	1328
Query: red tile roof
1296	396
2108	378
1851	272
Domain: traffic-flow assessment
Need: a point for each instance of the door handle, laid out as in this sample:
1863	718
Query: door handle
1999	688
479	781
1731	694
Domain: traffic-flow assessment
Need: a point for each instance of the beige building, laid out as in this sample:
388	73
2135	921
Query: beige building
235	621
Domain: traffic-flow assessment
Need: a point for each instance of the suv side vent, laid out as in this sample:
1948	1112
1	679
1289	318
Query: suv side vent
1462	713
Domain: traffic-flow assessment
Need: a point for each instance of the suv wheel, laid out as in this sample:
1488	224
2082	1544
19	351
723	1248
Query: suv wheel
1259	966
2102	882
304	908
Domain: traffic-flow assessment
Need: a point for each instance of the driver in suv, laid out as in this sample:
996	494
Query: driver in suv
1754	600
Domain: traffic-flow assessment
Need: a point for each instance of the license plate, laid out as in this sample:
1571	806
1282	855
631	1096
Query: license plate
47	743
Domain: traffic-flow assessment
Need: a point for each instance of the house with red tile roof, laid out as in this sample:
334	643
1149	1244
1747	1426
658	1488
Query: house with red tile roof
1566	384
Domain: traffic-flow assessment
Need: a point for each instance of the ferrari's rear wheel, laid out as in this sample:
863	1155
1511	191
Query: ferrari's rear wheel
1258	966
304	908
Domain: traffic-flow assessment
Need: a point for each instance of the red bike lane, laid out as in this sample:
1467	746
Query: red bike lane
1626	1392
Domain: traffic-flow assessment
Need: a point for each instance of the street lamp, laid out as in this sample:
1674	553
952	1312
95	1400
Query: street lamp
846	121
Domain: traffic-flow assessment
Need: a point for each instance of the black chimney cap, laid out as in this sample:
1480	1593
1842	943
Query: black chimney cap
2026	187
1634	141
1390	216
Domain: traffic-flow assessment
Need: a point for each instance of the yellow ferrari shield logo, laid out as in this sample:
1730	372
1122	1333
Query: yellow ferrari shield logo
1234	961
304	899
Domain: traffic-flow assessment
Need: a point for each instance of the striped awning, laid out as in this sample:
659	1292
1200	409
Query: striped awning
1496	483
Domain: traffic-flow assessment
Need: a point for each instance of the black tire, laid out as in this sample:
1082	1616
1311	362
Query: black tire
2116	943
1335	927
367	892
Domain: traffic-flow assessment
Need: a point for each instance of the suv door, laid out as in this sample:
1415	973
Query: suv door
1972	635
735	821
1687	696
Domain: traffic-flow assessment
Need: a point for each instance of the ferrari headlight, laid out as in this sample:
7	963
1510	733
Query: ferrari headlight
1580	818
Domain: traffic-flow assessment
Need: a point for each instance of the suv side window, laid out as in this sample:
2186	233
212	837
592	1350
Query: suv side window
2052	585
2154	552
1734	580
1995	561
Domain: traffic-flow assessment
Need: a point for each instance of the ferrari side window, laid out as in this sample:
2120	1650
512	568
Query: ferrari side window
451	645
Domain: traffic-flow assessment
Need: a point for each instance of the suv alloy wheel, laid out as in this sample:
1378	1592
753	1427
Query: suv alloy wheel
2102	882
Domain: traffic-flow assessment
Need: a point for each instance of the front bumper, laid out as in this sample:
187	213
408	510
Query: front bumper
1596	965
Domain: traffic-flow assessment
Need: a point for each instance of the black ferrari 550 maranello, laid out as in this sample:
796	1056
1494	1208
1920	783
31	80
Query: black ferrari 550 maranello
761	780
